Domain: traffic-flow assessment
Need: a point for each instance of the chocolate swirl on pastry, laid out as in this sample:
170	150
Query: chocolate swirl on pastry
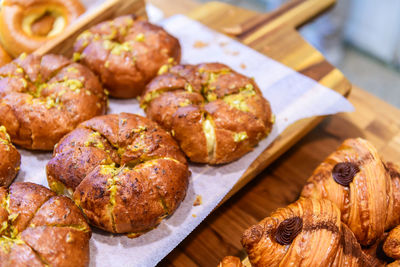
366	189
313	235
288	230
344	172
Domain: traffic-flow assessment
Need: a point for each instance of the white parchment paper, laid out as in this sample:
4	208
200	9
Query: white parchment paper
292	96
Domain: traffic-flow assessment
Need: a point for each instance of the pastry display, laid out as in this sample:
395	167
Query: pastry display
43	98
126	53
39	228
308	232
4	56
366	189
10	159
123	171
391	246
230	261
25	25
216	114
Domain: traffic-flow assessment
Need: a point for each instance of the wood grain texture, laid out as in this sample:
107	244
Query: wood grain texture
280	184
110	9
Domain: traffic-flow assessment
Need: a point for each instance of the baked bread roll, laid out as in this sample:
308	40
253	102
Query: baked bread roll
25	25
230	261
216	114
39	228
123	171
126	53
366	190
43	98
391	247
306	233
10	159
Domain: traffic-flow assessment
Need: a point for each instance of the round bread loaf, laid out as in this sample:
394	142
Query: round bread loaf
39	228
216	114
10	158
25	25
43	98
126	53
123	171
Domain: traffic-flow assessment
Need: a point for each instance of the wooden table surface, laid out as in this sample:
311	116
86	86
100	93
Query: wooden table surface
219	235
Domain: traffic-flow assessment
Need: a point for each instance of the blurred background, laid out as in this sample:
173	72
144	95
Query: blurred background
360	37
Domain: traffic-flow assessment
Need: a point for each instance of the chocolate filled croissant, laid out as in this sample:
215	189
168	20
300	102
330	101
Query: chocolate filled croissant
306	233
366	190
391	247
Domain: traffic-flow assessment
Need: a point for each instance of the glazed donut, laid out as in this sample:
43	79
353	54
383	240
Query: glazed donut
126	53
4	56
123	171
216	114
10	159
26	24
43	98
39	228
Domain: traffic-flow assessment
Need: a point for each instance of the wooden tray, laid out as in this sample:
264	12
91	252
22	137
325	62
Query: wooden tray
272	34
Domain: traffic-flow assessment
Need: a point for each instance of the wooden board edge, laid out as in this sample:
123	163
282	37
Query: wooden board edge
63	44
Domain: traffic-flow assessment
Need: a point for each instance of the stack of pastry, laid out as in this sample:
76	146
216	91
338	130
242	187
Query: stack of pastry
341	219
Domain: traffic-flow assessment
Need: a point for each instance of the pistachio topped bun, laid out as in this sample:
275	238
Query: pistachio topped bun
124	171
126	53
43	98
216	114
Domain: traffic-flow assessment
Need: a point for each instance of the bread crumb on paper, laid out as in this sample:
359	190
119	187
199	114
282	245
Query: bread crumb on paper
232	53
194	215
243	66
198	201
222	44
200	44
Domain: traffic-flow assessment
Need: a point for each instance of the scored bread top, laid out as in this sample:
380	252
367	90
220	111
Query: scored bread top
123	170
43	98
216	114
38	228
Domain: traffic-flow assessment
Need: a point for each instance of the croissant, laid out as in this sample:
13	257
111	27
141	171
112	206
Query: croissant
391	247
308	232
230	261
366	190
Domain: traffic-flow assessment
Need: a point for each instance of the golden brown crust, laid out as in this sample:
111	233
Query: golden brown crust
4	56
39	228
216	114
10	158
323	240
43	98
230	261
370	203
394	264
25	25
126	53
391	247
124	171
